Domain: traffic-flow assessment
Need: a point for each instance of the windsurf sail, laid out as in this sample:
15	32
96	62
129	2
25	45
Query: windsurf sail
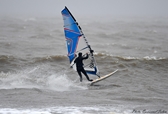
76	42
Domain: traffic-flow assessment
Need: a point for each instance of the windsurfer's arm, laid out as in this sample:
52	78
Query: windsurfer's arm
71	66
87	55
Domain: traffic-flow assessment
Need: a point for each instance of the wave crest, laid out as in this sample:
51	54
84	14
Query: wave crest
39	78
102	55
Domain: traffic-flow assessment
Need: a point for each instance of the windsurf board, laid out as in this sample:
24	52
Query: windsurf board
103	77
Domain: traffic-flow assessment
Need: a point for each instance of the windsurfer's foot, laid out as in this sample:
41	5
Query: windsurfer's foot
80	79
90	80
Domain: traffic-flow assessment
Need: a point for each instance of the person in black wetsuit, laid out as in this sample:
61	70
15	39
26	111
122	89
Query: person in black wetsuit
79	66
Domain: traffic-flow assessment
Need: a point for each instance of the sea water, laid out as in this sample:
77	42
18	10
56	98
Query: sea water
35	76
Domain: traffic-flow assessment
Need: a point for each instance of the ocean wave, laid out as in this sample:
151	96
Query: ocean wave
50	58
62	58
65	110
5	58
104	61
39	78
129	62
130	57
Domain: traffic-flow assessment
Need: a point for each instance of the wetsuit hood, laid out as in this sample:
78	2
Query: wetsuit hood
80	54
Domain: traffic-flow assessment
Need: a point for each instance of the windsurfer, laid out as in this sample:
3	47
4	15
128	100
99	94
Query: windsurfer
79	66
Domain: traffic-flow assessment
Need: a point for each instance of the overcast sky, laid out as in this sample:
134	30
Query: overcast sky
85	7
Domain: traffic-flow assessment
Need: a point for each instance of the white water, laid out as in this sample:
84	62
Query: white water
39	78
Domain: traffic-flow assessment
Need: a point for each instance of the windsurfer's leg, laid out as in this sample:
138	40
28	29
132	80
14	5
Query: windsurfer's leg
84	72
80	75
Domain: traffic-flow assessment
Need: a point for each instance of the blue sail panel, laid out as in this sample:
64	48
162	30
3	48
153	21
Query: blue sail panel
72	33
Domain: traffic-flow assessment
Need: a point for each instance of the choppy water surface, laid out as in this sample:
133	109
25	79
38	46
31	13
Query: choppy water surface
35	76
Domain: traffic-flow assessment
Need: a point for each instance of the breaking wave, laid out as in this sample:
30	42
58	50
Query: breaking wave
40	78
4	58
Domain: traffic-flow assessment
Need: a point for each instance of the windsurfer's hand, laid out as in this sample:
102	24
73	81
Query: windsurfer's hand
91	51
87	53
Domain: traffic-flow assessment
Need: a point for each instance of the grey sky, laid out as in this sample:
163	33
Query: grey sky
83	7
